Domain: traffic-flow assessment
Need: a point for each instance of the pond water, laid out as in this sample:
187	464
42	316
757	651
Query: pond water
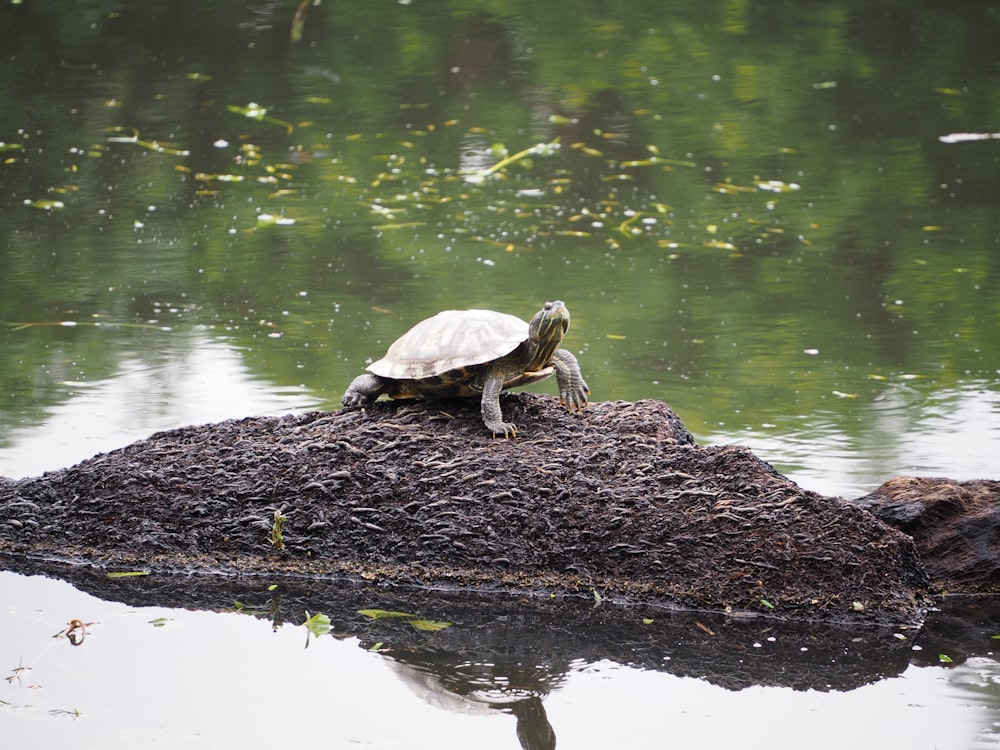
152	676
782	221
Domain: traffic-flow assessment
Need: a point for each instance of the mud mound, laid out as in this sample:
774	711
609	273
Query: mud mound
617	504
955	525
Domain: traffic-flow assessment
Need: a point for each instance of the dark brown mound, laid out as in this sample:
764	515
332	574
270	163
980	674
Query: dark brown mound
955	525
619	501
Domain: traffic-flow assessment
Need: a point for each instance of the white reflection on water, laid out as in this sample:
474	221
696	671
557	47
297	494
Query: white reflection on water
901	712
207	382
952	433
203	680
162	677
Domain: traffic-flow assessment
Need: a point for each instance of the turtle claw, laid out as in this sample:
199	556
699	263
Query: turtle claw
354	399
504	429
575	403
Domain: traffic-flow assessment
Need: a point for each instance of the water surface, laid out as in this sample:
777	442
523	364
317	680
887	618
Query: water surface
780	220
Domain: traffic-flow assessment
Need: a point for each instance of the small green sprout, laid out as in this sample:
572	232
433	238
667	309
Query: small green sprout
277	538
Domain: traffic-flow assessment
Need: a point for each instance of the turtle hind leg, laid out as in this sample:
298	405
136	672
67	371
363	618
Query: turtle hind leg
490	408
364	389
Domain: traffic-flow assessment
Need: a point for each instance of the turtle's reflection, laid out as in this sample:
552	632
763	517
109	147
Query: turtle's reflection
443	680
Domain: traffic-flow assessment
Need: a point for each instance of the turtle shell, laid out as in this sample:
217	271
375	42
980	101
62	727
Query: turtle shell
451	340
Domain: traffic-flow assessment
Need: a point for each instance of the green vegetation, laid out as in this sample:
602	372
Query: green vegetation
277	537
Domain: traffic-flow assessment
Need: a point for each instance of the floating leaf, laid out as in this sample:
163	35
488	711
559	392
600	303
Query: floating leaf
766	604
267	220
378	614
299	20
318	624
45	205
256	112
128	574
945	659
718	244
778	186
962	137
540	149
150	145
159	622
429	626
406	225
419	623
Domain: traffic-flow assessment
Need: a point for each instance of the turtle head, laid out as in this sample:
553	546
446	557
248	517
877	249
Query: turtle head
546	330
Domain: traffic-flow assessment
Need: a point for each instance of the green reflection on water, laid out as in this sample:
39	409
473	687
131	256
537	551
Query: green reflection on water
750	216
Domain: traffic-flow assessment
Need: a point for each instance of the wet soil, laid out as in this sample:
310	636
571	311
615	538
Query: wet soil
617	504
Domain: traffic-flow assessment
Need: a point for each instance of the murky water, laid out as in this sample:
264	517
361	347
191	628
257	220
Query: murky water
765	219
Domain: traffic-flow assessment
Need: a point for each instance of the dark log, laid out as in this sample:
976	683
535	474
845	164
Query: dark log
955	525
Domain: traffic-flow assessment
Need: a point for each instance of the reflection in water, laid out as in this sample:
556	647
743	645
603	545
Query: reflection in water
977	683
206	382
909	429
442	681
514	657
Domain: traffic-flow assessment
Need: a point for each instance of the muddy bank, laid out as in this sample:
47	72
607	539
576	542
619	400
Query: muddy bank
619	501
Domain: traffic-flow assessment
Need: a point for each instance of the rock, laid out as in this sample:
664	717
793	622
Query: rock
616	505
955	525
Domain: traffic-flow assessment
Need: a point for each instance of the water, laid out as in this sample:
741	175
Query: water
153	675
751	215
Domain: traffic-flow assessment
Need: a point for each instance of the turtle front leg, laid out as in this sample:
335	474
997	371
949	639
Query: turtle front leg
490	408
573	389
364	389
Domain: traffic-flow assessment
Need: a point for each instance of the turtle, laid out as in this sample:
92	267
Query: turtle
476	353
